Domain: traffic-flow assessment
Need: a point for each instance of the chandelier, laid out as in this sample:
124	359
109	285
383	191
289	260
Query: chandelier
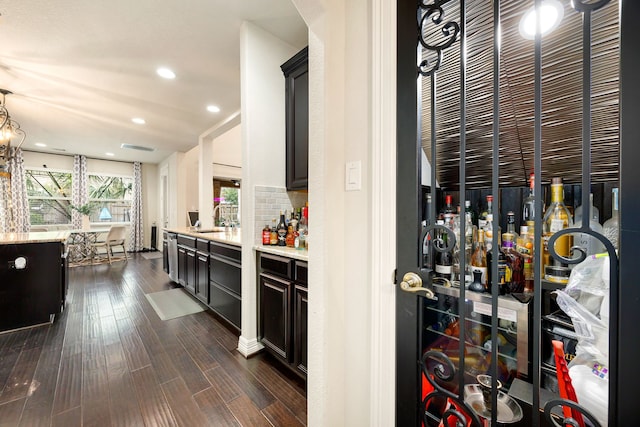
9	130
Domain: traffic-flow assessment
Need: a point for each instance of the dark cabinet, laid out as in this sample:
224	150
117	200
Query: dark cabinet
282	313
225	282
297	120
202	277
182	265
190	280
165	256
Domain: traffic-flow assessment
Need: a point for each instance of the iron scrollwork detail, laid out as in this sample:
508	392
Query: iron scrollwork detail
568	421
445	370
433	13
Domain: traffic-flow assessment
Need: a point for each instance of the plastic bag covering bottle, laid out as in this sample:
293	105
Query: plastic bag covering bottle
586	241
611	228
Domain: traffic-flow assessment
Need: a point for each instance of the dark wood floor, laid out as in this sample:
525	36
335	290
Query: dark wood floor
108	360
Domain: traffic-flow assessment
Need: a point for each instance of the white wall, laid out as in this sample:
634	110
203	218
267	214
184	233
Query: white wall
177	204
57	162
263	149
227	154
190	164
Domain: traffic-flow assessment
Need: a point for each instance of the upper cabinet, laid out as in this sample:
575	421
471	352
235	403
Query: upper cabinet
297	104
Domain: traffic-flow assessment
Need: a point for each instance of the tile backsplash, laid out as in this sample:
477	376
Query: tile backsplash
269	201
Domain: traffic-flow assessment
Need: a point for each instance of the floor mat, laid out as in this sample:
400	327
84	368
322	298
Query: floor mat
151	255
173	303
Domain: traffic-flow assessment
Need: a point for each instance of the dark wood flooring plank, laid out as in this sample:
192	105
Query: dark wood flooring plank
124	408
20	380
137	356
45	379
37	415
279	415
215	409
70	418
69	384
200	356
10	413
96	413
184	407
226	387
153	404
247	413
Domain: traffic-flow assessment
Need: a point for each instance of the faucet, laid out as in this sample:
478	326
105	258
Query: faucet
215	210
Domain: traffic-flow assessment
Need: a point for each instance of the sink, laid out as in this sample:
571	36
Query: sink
209	230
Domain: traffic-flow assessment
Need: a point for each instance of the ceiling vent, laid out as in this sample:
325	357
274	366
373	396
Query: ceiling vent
137	147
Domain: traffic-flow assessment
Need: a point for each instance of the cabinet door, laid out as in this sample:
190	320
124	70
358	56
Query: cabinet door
274	318
182	265
297	120
202	277
165	256
300	329
190	280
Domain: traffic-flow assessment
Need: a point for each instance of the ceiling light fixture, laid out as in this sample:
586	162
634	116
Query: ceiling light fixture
110	154
40	144
213	108
551	12
138	120
9	129
166	73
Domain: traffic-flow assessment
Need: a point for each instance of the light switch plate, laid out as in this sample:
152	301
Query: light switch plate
353	176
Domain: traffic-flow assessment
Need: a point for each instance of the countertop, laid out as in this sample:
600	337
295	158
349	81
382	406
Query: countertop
34	237
232	237
300	254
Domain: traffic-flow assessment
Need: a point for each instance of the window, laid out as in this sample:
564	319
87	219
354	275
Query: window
49	195
111	197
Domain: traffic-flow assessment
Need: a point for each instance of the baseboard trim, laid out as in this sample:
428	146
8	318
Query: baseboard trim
249	347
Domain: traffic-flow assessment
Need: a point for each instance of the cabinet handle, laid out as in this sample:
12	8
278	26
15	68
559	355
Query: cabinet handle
411	282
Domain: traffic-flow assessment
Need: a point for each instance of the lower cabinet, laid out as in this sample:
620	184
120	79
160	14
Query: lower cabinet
282	310
211	271
165	253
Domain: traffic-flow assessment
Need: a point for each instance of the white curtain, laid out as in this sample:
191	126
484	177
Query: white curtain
136	233
20	208
6	216
79	196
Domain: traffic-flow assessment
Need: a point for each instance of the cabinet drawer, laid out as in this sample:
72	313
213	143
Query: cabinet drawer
202	245
225	304
301	273
228	251
277	265
225	273
186	241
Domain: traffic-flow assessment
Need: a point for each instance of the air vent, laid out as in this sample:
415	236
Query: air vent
137	147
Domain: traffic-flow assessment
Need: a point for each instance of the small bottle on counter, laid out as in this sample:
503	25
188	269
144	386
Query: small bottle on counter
266	235
290	237
273	237
282	230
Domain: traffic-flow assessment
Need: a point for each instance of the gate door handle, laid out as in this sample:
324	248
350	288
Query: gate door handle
411	282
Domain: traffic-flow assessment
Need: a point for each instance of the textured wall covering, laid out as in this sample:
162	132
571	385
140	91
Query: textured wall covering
270	201
136	230
79	182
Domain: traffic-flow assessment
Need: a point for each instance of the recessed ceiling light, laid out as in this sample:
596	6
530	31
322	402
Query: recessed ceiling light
213	108
40	144
138	120
551	12
166	73
110	154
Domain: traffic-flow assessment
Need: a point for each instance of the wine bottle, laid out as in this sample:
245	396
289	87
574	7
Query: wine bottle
443	259
282	231
556	218
529	206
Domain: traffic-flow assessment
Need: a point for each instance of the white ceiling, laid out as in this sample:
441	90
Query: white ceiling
81	70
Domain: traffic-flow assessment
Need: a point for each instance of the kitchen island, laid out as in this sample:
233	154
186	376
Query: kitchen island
33	278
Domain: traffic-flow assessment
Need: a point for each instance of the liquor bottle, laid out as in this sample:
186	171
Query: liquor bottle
488	232
303	227
469	210
482	219
448	213
511	227
469	230
529	206
479	258
443	259
524	246
556	218
266	235
586	241
611	227
514	273
293	221
493	254
282	230
290	238
273	238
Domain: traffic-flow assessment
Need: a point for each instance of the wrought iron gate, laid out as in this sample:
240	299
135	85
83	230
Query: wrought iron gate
462	132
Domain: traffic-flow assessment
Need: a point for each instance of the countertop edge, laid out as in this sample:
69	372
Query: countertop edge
301	255
34	237
228	237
